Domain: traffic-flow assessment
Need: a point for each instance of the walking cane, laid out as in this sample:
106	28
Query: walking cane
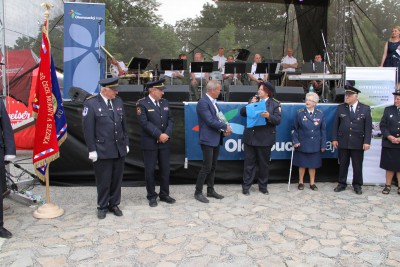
290	172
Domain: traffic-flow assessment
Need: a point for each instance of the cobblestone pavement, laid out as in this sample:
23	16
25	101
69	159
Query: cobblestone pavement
296	228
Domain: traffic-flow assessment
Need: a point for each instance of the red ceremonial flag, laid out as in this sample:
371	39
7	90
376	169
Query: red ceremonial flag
45	148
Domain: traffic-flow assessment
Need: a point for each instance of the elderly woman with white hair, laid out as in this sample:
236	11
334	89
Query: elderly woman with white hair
309	140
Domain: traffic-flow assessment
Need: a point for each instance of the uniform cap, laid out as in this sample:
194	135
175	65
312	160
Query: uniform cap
157	84
109	83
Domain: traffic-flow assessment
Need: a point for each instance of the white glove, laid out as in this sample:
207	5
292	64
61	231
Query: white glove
127	149
93	156
9	157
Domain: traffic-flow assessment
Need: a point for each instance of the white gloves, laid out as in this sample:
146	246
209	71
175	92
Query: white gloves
9	157
93	156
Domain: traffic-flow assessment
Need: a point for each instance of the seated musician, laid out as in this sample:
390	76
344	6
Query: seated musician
198	78
318	84
118	69
229	78
177	75
256	78
220	58
289	62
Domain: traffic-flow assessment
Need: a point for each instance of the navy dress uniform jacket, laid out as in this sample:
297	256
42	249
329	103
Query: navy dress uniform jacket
352	133
390	125
105	131
309	131
211	128
264	135
154	121
7	143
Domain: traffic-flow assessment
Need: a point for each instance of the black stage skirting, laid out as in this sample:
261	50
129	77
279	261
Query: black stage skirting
74	167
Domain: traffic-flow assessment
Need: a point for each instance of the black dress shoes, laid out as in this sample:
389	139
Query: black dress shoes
116	211
201	198
101	214
264	191
168	200
358	191
215	195
246	192
153	202
4	233
339	188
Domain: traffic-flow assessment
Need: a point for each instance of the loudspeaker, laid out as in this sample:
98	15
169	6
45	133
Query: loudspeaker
130	92
289	94
241	93
78	95
177	93
339	95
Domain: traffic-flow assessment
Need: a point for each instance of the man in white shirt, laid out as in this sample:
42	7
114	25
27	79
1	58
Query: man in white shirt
220	58
289	63
230	78
117	69
256	78
198	78
177	75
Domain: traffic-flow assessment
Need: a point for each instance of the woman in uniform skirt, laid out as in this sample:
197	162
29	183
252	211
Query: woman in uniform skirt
390	154
309	139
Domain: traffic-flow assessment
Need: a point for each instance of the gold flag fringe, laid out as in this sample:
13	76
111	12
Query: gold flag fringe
40	163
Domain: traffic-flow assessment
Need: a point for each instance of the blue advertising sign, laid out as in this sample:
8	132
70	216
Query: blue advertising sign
232	148
83	35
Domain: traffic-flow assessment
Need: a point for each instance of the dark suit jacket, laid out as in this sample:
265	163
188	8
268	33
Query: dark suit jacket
352	133
264	135
390	125
105	131
309	131
154	121
211	128
7	143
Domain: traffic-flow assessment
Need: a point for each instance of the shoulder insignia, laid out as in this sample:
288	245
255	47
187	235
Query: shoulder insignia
138	110
85	111
90	97
276	100
300	110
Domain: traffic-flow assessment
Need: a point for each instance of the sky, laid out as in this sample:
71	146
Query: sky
174	10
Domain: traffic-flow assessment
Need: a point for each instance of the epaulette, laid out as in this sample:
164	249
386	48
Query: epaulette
301	110
137	102
90	97
318	110
276	100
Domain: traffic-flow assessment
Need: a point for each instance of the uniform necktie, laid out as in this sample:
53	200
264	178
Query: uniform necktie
157	104
352	111
310	114
110	108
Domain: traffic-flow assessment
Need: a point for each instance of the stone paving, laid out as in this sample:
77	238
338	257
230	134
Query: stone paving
296	228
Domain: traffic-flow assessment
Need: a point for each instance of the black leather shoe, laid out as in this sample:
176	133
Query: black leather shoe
116	211
201	198
339	188
4	233
101	214
264	191
153	202
215	195
358	191
246	192
168	199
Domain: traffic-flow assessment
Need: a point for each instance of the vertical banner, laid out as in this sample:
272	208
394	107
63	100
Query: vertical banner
376	86
232	148
83	36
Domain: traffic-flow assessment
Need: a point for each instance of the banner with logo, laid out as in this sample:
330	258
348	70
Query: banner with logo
376	85
232	148
83	35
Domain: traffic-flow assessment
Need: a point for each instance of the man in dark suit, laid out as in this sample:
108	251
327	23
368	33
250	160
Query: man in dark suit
258	140
7	153
155	118
352	131
106	136
212	130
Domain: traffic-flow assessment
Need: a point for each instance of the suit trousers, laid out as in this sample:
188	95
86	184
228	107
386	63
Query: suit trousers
256	156
357	157
207	171
109	174
150	158
2	178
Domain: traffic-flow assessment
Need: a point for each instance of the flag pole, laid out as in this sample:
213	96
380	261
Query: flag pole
47	210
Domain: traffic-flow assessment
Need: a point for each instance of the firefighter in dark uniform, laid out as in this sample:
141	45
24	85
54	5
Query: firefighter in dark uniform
258	140
106	136
352	132
155	118
7	153
390	154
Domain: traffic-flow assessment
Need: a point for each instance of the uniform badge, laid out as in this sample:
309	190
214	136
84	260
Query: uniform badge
316	123
165	108
138	110
85	111
391	115
99	109
305	118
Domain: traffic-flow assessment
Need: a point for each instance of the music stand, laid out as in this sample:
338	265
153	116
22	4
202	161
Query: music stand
173	64
137	64
201	67
235	67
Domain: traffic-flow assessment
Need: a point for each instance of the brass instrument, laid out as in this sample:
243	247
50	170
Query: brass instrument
146	76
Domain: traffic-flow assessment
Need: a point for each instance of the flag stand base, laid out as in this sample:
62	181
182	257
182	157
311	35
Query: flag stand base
48	211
